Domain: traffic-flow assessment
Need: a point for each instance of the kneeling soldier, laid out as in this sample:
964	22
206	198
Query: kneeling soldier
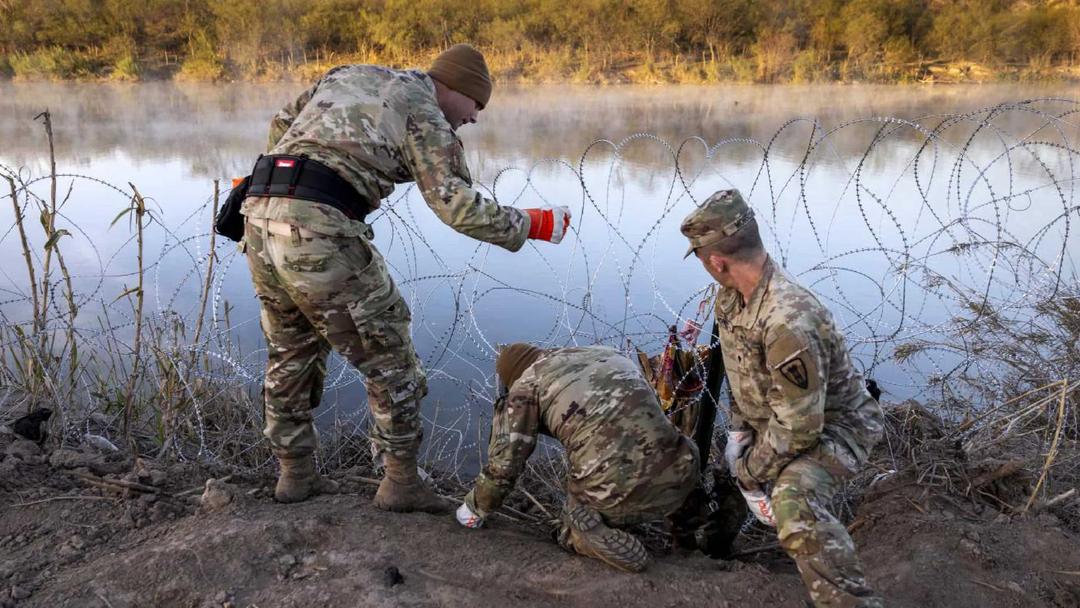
628	463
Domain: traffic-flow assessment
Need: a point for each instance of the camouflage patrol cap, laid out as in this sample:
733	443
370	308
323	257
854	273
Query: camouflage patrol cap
721	215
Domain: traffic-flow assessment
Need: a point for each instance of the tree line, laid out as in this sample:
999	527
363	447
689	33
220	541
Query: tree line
546	40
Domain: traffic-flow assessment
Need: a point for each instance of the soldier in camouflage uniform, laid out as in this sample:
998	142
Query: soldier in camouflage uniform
802	419
627	462
320	280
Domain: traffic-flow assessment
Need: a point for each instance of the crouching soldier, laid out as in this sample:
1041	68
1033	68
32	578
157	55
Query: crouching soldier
628	463
802	420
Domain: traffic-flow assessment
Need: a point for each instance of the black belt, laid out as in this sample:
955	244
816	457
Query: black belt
303	178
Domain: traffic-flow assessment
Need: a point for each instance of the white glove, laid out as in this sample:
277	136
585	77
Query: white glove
467	518
548	223
737	442
760	506
562	224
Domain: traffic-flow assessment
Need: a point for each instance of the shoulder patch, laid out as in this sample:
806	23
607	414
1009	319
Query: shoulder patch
791	353
795	372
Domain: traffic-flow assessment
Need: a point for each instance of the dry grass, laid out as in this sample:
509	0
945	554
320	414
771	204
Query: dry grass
1003	429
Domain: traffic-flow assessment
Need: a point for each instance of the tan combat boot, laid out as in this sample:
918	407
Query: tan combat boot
298	479
402	490
585	533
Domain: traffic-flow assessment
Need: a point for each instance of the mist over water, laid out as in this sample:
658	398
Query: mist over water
214	128
865	193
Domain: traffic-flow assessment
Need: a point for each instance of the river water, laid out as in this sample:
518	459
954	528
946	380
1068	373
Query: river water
873	195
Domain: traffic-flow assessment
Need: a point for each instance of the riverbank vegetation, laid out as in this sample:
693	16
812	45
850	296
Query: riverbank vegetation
592	41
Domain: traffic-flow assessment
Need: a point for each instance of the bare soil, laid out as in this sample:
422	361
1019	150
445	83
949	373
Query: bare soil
67	538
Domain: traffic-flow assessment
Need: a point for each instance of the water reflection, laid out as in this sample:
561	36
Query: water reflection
215	129
873	211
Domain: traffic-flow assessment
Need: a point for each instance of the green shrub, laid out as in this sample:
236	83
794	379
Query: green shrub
646	73
125	68
811	66
1039	68
743	68
689	71
52	63
899	63
203	62
119	54
773	54
201	68
544	40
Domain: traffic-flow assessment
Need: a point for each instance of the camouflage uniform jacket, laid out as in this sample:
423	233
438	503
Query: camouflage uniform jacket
595	401
378	127
791	378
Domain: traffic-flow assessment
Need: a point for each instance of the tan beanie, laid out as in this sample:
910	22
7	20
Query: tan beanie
462	68
513	360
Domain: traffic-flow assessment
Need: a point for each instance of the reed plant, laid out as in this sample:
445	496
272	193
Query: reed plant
1002	426
83	356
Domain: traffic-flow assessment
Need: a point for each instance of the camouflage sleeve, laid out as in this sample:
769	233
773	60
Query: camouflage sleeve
284	119
797	400
513	437
436	161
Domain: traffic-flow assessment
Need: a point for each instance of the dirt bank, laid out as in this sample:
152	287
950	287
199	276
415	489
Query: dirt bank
72	534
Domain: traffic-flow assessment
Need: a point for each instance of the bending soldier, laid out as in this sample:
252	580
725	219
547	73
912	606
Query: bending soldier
628	463
335	152
802	421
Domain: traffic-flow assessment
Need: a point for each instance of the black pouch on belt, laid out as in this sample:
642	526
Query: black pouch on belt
228	222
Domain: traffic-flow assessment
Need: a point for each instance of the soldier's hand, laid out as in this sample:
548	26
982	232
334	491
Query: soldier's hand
760	505
549	223
467	518
737	442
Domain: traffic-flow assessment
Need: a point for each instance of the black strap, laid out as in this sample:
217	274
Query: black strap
269	178
304	178
710	397
296	175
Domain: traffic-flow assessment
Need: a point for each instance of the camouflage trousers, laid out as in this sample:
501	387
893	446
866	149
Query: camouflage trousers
812	536
663	489
323	292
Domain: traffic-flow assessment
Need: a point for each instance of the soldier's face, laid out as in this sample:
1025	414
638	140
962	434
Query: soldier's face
458	108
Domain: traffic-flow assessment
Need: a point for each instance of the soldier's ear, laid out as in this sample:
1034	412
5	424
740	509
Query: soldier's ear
718	262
